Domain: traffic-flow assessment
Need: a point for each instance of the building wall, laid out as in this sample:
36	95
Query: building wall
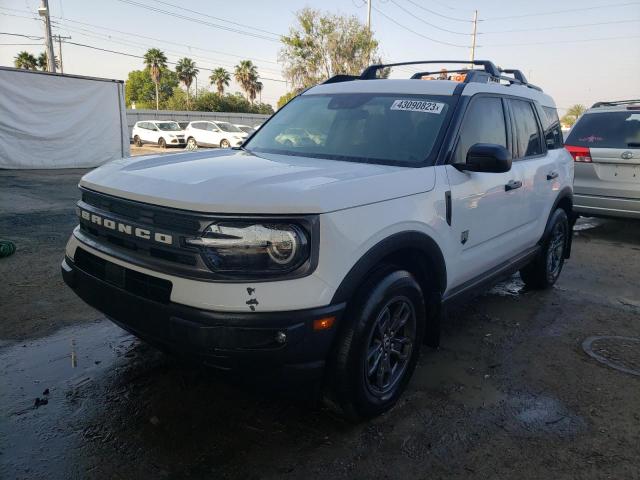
251	119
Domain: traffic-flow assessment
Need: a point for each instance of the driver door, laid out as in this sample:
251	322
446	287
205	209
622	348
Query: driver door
486	208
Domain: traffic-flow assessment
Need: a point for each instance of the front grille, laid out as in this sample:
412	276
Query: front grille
139	284
139	212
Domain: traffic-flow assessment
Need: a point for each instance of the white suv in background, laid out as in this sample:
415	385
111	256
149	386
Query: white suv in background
332	257
163	133
605	144
214	134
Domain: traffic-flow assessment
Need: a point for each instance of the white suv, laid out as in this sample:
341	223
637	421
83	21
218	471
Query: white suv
332	255
163	133
214	134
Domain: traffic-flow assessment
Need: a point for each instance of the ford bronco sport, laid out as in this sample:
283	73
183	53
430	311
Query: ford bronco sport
334	255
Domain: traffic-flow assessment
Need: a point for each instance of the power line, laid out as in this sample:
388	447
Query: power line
180	7
197	20
568	10
93	47
424	21
556	42
433	12
129	43
417	33
191	47
561	27
30	37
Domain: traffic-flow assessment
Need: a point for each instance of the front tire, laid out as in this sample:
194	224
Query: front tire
377	350
224	143
137	141
162	143
545	268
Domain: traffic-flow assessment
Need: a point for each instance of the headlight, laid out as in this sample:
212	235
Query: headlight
253	248
172	135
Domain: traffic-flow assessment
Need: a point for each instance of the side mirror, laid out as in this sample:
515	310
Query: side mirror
487	157
155	129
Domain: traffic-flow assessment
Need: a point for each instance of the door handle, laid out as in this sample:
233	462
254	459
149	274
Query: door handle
512	185
552	175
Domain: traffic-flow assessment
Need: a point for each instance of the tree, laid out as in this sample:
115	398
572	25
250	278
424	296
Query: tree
214	102
141	89
155	60
246	74
25	60
572	114
255	88
286	97
187	72
324	45
43	62
220	78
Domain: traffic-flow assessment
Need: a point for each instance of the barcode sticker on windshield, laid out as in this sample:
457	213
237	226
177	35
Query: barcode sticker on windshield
417	106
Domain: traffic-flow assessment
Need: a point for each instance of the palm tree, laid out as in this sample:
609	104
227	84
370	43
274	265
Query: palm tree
254	90
25	60
43	62
220	78
573	112
246	74
187	72
155	60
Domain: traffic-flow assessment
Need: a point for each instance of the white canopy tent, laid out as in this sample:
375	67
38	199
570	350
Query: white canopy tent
60	121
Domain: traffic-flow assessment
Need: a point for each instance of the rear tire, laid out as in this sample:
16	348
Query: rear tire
224	143
545	268
191	143
136	141
378	347
162	143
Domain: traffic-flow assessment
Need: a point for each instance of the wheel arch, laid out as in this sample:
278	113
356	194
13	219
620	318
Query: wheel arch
414	251
564	200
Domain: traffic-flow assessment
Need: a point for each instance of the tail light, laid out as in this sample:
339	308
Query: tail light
579	154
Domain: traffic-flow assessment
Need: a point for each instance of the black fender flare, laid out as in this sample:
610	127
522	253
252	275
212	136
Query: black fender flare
567	193
394	243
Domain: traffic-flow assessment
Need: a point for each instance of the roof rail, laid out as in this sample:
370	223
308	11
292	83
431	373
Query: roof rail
490	73
613	103
369	73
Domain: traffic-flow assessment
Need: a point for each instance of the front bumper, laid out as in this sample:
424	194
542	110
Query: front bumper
595	205
250	342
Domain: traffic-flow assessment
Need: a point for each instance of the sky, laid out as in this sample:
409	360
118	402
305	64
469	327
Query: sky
578	51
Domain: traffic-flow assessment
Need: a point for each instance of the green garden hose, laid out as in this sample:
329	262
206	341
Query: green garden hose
6	248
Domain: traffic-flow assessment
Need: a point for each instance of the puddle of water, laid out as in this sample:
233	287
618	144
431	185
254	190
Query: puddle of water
587	223
543	415
512	287
47	369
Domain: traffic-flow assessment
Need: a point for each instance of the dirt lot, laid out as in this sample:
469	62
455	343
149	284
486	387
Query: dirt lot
510	394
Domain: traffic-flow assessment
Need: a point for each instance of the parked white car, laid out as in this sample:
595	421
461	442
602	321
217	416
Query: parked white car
245	128
214	134
163	133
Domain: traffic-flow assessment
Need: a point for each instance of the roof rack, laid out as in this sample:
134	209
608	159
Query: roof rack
490	73
614	103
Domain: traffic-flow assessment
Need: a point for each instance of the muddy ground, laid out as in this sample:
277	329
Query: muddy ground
510	394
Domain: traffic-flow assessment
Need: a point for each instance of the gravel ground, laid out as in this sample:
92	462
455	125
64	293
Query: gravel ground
511	393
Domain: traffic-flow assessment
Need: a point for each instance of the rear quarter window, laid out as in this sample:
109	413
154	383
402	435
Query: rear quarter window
607	130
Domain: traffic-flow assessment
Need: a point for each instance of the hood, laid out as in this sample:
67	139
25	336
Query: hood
238	182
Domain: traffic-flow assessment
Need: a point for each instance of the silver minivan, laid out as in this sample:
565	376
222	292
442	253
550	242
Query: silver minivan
605	146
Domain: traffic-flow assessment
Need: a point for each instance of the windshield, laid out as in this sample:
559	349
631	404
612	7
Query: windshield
607	130
375	128
246	129
168	126
227	127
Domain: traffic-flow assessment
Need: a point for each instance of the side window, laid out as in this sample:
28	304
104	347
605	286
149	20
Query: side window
140	124
483	123
527	132
197	125
552	129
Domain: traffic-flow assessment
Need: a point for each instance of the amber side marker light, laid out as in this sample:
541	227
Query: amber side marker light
323	323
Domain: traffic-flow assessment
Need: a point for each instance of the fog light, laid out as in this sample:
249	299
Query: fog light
281	337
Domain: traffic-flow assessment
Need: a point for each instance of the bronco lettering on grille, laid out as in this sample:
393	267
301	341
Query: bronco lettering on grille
127	229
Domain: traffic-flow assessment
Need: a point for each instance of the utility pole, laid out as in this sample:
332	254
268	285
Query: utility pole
44	12
369	15
60	38
473	38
